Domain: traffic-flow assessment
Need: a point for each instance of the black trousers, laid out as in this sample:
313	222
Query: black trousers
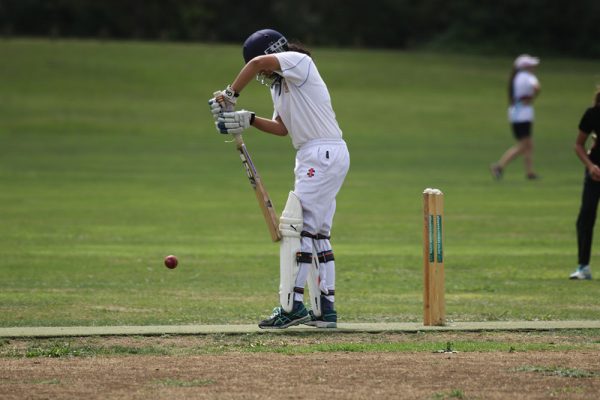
587	219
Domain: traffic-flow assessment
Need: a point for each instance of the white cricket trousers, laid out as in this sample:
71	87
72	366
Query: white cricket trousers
321	167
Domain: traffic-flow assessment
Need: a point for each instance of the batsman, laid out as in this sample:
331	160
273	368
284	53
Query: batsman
302	110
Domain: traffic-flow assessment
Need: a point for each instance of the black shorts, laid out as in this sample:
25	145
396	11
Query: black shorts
521	130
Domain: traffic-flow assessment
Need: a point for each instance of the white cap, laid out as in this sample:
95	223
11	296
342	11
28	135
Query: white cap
525	60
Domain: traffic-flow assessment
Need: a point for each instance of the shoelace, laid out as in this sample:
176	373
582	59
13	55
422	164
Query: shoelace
276	312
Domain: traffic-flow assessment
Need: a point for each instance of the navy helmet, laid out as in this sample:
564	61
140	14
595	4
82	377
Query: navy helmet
265	41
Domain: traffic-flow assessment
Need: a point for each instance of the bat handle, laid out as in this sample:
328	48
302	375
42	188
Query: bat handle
237	137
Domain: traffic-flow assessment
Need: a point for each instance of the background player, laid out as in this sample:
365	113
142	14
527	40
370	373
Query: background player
523	88
588	126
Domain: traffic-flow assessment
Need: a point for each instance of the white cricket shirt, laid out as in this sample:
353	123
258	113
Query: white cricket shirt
302	100
524	85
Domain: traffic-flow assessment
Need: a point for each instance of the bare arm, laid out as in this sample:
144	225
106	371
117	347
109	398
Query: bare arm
273	126
266	63
592	168
262	64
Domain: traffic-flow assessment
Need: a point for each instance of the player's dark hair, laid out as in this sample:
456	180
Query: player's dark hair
511	86
298	47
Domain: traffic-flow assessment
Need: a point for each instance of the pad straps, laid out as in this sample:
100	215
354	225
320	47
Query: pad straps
303	257
306	258
326	256
318	236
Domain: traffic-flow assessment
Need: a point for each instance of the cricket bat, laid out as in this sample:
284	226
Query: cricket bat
264	201
262	196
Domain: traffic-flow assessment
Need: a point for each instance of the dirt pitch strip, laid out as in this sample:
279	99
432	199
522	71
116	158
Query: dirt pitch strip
251	364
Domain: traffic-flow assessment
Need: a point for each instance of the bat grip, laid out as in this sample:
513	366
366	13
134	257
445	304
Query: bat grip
239	142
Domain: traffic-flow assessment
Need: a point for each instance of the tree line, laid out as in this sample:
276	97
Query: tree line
564	27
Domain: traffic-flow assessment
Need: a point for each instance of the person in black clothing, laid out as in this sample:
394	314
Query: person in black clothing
589	126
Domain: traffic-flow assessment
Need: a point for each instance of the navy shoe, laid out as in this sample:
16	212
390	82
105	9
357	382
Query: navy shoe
328	318
281	319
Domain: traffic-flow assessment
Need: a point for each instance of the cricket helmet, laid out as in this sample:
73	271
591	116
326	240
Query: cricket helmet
265	41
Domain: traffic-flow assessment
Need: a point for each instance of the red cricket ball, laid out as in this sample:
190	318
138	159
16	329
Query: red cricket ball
170	261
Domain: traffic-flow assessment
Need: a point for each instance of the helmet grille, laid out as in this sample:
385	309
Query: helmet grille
277	47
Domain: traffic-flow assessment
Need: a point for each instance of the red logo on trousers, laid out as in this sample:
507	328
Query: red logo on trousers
311	172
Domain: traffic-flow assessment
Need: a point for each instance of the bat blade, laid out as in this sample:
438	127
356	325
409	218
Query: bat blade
262	196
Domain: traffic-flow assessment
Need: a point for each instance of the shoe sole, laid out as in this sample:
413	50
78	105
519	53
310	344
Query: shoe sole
576	278
298	321
322	324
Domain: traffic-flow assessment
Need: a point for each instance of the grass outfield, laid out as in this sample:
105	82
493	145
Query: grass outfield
109	162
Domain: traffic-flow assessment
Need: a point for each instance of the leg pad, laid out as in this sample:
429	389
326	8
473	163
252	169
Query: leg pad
290	226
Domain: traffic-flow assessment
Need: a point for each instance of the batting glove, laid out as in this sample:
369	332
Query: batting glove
234	122
226	98
230	96
223	101
215	108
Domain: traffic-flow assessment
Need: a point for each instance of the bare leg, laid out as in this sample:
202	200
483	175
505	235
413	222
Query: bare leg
512	153
528	156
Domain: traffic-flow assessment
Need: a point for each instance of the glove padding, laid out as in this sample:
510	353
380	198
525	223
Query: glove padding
234	122
222	101
215	108
229	96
